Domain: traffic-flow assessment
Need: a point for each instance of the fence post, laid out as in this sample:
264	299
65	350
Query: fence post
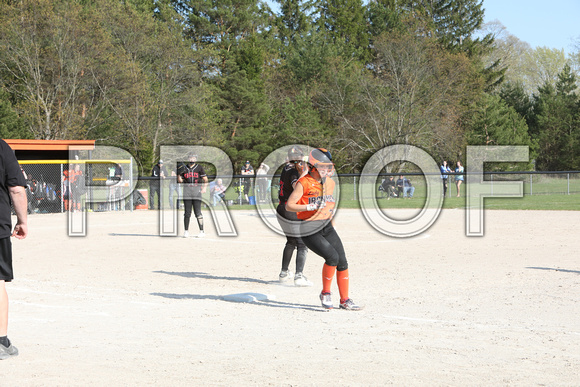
354	187
131	205
568	179
62	188
531	185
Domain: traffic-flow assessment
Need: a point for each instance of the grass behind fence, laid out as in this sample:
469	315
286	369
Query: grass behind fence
542	193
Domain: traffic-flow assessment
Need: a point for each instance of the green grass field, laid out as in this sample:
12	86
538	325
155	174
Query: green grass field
540	193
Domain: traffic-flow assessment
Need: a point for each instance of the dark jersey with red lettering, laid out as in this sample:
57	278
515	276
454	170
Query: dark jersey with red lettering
288	177
192	177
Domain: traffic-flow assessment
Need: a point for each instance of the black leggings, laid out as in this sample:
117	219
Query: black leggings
292	243
196	204
328	245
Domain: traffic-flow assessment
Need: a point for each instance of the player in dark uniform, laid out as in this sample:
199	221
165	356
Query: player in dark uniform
193	176
294	169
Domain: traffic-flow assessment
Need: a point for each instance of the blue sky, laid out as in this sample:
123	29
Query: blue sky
553	24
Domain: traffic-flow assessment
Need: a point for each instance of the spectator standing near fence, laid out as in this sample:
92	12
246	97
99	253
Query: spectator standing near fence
444	175
158	173
76	187
67	188
174	191
247	170
115	186
12	188
459	178
262	182
71	179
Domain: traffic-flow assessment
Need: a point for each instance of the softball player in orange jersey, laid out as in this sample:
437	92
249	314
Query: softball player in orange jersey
314	203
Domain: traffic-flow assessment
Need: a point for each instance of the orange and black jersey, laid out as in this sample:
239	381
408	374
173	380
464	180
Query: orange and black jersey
317	193
71	175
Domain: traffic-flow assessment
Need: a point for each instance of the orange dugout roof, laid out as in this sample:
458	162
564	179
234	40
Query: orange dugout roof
50	145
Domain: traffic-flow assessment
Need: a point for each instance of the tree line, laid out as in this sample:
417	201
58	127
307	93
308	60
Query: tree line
350	76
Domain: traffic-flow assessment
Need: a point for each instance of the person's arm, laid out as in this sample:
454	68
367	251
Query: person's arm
292	203
18	196
204	184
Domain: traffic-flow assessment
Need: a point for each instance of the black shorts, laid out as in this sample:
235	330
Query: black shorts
6	273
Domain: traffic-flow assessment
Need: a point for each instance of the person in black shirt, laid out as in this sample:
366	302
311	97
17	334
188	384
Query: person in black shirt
294	169
194	178
158	172
12	183
247	169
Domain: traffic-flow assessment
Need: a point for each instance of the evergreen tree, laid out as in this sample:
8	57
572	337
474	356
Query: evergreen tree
219	26
382	16
557	124
344	22
454	24
453	21
493	122
515	96
293	21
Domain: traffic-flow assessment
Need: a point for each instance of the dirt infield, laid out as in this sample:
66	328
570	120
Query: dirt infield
123	306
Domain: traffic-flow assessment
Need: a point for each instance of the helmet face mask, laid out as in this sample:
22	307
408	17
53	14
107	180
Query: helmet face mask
321	160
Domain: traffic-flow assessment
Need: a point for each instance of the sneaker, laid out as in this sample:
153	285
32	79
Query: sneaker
301	280
326	300
186	234
285	276
349	304
5	353
201	234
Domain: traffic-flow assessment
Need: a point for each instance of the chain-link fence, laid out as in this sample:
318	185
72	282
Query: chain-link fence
534	183
57	186
54	186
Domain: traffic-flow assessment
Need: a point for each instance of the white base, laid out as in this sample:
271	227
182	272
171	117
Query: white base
248	297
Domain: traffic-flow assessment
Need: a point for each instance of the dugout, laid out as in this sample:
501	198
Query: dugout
44	161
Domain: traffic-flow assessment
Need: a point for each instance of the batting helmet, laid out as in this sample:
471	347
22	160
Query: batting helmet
320	156
295	153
